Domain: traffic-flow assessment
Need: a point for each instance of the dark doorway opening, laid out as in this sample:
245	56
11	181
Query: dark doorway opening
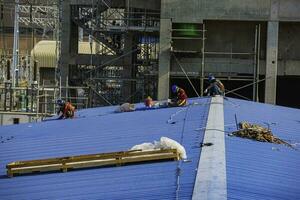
16	120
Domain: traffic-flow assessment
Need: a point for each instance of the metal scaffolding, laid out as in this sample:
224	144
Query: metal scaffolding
128	37
188	40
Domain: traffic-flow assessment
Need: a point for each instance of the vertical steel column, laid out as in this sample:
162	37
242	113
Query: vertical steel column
16	45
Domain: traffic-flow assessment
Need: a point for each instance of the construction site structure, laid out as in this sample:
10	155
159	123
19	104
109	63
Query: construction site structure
108	52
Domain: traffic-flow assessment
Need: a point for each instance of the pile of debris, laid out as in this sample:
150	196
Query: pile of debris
258	133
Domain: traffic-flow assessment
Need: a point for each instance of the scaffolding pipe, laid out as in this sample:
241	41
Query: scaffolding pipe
16	45
257	63
228	53
254	66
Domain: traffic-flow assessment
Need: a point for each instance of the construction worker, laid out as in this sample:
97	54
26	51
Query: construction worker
125	107
181	98
149	103
215	87
66	109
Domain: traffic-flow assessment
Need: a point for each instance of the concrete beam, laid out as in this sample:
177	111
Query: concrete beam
190	11
210	183
164	59
271	62
114	3
142	4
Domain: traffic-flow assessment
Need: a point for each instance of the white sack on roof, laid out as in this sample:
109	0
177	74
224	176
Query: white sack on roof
143	146
125	107
164	143
168	143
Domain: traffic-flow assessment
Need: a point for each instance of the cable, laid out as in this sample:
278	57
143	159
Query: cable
239	95
231	91
112	60
204	128
178	169
186	75
173	115
102	96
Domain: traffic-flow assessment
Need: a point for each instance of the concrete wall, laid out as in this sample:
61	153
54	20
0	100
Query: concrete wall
8	119
252	10
238	37
232	66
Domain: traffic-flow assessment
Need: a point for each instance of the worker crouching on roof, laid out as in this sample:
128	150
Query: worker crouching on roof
149	103
215	87
66	109
181	98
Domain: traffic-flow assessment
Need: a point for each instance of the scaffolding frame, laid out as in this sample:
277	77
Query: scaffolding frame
107	25
255	56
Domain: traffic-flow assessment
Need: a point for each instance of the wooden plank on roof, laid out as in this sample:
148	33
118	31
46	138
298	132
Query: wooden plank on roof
91	160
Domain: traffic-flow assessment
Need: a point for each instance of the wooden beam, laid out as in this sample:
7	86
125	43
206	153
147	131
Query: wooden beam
91	160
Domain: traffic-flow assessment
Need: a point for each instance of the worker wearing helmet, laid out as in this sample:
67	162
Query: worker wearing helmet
215	87
181	98
66	109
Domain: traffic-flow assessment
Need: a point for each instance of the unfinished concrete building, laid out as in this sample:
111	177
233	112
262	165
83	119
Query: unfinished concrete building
254	40
252	43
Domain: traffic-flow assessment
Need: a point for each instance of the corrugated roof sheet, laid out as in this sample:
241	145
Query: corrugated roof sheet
101	130
257	170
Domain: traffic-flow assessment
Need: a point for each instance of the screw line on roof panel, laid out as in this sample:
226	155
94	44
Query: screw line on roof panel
178	171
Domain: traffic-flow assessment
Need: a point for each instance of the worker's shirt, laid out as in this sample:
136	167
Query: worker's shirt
149	102
220	85
68	107
181	95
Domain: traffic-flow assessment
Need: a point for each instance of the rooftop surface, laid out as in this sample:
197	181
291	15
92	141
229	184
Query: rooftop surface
97	131
254	170
259	170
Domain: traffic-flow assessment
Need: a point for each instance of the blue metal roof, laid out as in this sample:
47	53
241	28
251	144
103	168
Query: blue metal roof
100	130
258	170
255	170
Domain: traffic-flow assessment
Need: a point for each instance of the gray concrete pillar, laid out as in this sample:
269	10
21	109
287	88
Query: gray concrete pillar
164	59
271	62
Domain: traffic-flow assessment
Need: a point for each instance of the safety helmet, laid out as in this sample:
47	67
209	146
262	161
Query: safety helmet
174	88
211	78
60	102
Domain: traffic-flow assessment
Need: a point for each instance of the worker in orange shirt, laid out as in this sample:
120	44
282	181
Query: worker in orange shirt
66	109
149	103
181	99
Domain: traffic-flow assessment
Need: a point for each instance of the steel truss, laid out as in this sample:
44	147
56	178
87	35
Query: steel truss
108	25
